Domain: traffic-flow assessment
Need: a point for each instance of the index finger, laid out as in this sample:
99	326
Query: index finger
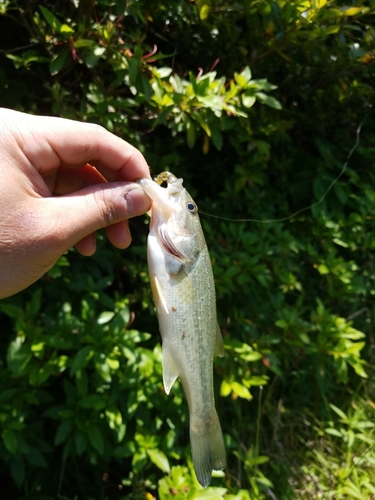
50	142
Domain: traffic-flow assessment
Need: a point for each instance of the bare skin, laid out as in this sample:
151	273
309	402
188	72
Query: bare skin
61	181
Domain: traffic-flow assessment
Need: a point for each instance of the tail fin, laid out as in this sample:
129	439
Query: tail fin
207	448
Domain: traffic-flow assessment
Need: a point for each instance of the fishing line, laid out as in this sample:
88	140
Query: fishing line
321	199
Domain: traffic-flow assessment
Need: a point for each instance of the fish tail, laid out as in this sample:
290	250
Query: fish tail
207	447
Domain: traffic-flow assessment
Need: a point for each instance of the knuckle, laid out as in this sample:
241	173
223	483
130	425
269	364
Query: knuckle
106	205
99	130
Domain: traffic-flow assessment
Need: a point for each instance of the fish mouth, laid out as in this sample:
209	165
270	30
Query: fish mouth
167	177
157	193
162	207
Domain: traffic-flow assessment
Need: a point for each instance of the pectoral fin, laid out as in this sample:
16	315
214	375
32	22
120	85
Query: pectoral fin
157	293
169	371
219	346
172	265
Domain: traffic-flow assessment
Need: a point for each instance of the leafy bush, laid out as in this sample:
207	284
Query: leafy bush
257	105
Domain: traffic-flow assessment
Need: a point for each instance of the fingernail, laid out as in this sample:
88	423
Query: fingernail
137	201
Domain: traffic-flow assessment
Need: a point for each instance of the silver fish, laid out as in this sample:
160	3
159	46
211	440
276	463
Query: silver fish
184	294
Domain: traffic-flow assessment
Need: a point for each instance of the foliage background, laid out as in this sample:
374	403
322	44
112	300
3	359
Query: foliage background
256	104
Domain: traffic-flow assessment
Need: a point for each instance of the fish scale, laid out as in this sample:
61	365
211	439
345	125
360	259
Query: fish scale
183	289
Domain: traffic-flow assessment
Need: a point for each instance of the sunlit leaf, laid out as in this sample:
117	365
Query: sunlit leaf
66	29
159	459
241	390
105	317
350	11
225	388
204	12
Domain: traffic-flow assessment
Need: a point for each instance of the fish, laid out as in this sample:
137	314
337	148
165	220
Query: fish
183	290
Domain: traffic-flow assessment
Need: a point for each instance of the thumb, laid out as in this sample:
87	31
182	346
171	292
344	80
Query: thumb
77	215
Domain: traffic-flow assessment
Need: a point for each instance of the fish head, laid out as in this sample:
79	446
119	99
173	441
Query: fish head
174	217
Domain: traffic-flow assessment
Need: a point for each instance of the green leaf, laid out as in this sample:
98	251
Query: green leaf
139	460
66	29
350	11
281	323
136	336
17	470
198	118
211	493
163	72
11	310
124	450
204	12
105	317
268	100
33	307
80	442
358	368
50	18
323	269
341	193
225	388
96	401
10	440
339	412
248	100
4	6
63	431
240	80
330	30
96	438
251	356
18	356
114	364
84	42
333	432
258	380
114	416
216	138
145	86
58	62
37	347
81	359
36	458
190	133
7	395
159	459
246	73
103	369
260	459
241	391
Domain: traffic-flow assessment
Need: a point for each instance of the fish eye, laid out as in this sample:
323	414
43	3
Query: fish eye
192	207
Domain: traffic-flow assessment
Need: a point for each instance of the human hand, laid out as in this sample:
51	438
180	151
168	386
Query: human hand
51	199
